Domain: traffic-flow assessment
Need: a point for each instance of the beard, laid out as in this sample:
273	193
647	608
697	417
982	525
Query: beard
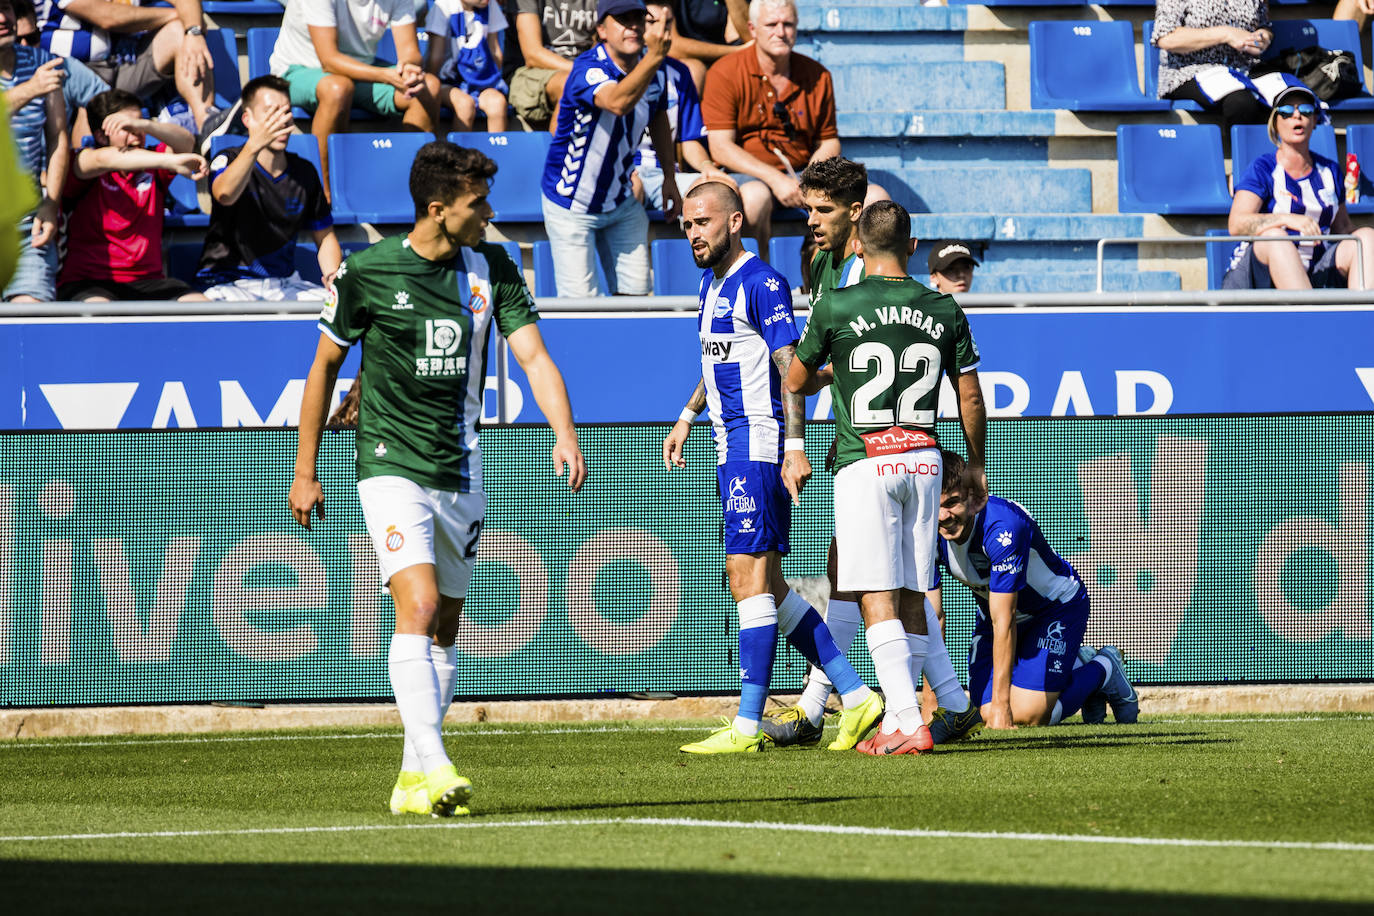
715	252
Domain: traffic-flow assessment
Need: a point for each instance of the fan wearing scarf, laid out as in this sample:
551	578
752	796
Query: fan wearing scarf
1294	191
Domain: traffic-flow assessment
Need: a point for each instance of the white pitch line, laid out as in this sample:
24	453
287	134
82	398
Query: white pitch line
26	743
832	829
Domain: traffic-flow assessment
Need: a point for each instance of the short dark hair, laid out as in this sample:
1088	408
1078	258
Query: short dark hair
954	467
842	180
885	227
23	9
727	195
107	103
442	170
259	83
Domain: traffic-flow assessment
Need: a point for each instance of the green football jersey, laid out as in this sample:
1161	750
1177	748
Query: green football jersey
888	340
827	274
425	326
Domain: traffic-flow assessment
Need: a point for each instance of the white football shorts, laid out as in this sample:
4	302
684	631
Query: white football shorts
411	524
887	514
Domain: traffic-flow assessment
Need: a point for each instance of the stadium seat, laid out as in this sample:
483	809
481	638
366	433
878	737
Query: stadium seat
386	48
182	260
1150	64
1250	141
1086	66
308	261
260	43
369	175
1218	257
515	192
224	51
183	205
675	272
1359	139
784	253
1171	169
1343	34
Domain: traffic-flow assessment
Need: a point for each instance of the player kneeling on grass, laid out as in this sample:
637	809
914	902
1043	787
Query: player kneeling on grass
1024	662
748	338
424	306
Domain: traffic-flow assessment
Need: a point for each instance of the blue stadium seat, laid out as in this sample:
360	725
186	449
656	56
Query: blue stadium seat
1250	141
369	175
224	51
260	43
1218	257
1086	66
1359	139
784	253
386	48
515	192
1171	169
1341	34
1150	64
243	8
182	260
183	205
675	273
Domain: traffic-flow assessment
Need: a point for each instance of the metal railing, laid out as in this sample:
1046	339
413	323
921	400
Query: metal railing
1230	240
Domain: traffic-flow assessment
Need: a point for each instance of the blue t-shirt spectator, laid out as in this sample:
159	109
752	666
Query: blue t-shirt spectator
684	111
1316	195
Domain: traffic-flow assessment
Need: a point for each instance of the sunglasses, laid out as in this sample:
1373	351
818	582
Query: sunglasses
1305	109
782	114
29	39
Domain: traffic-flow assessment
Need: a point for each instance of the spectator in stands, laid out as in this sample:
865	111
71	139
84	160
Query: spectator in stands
951	266
325	52
704	31
465	54
612	94
769	111
551	34
1293	191
684	120
1209	47
1358	10
264	196
32	80
115	197
138	49
80	85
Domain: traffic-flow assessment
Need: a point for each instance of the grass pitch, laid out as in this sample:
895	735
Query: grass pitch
1184	814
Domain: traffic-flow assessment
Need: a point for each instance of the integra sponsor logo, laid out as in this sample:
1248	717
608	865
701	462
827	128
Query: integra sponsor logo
717	349
1053	640
740	502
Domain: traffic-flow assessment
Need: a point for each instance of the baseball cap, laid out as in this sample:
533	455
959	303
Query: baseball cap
606	8
1290	95
946	251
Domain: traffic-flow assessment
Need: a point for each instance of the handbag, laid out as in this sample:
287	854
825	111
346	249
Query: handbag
1330	74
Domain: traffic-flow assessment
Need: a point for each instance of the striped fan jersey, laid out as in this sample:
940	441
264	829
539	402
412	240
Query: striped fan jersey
592	154
745	316
1005	552
27	124
684	112
1317	195
72	36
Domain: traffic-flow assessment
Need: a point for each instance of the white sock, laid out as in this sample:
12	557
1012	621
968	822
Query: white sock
843	620
1057	713
416	686
446	670
891	652
939	670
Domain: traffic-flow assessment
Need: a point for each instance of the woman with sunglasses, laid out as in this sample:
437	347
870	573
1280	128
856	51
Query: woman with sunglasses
1293	191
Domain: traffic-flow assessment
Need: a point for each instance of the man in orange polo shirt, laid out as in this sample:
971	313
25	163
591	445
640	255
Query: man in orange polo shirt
769	112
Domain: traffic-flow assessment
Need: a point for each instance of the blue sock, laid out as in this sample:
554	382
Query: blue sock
1082	683
756	648
812	639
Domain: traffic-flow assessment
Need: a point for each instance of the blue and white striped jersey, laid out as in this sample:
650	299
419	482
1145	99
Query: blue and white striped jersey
744	317
1316	195
684	112
27	125
1007	553
72	36
593	151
